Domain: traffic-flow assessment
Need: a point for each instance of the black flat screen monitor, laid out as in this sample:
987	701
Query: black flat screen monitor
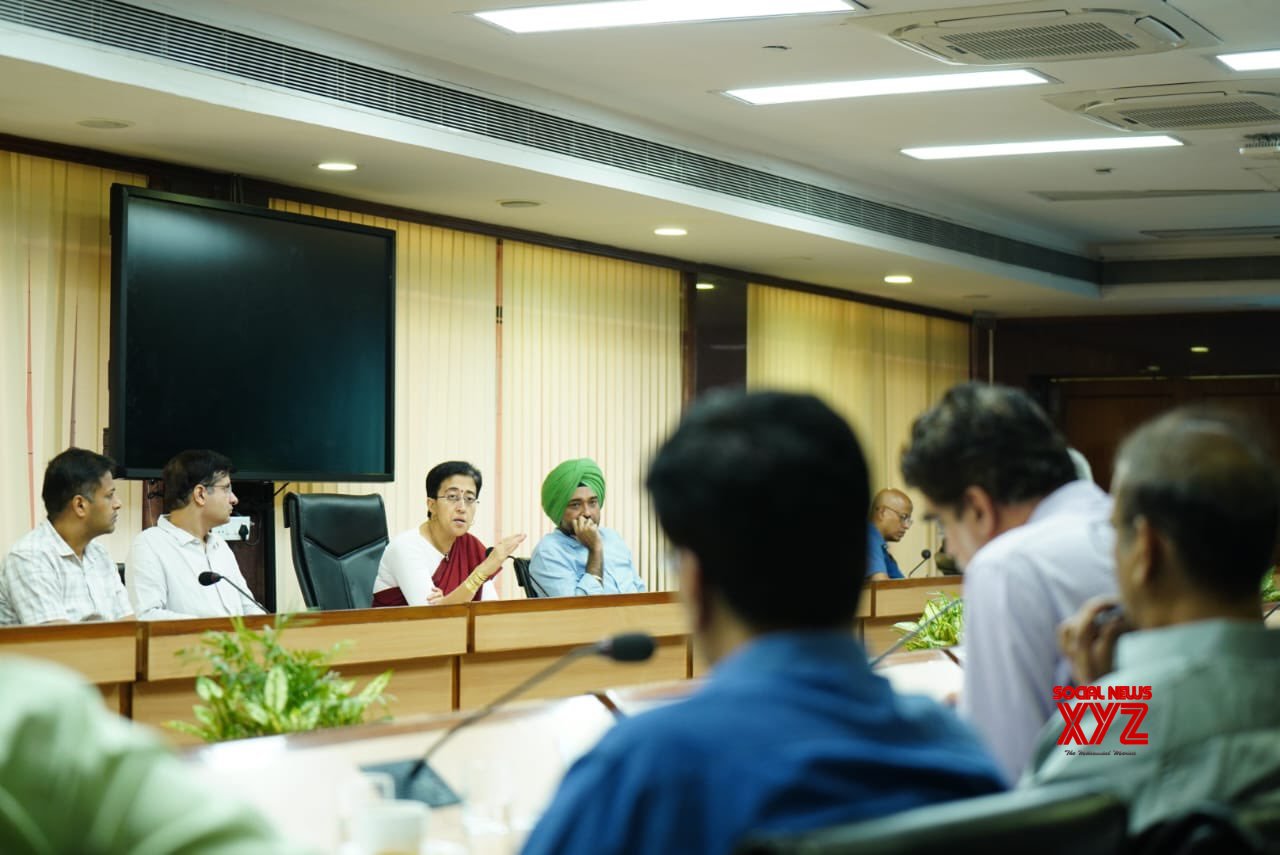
266	336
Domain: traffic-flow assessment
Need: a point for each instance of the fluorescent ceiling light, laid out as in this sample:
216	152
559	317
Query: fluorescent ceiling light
670	231
898	279
705	286
887	86
946	152
1259	60
337	166
631	13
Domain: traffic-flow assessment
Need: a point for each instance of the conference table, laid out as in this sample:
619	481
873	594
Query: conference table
443	658
505	768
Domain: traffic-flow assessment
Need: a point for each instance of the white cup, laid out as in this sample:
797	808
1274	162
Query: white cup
389	827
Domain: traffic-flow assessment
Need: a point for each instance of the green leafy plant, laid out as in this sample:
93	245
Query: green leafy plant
944	632
258	687
1270	593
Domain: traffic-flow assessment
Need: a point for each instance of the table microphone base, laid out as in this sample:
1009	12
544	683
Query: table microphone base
428	787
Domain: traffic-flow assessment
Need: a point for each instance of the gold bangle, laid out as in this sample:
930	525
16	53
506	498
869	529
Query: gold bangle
474	582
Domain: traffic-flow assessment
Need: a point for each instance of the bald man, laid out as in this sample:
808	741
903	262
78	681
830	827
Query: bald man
890	518
580	558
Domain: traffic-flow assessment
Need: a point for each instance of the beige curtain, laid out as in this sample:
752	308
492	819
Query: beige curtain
55	292
878	367
445	377
590	368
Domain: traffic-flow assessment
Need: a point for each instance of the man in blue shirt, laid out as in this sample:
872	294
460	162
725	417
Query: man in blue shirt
580	558
890	518
791	731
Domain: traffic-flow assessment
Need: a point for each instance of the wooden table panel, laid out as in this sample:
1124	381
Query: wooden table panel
578	620
379	635
907	598
485	676
104	653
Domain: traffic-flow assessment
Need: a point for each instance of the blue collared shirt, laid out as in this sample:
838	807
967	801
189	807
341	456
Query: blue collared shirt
559	567
792	732
878	558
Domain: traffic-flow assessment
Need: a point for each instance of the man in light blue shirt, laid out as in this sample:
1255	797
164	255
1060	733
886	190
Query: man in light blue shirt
580	558
1196	507
791	731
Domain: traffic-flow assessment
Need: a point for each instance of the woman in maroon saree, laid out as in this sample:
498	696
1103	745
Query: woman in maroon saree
440	562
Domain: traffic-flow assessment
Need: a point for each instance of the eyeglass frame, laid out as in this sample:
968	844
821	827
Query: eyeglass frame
456	499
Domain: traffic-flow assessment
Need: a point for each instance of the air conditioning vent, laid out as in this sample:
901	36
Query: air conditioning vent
1137	195
1217	233
1017	33
1179	107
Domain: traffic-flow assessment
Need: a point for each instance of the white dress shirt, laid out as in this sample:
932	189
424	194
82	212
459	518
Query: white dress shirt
163	570
43	580
1017	589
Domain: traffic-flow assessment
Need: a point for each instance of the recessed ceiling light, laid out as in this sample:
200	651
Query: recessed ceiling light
518	203
898	279
887	86
631	13
337	166
1259	60
671	231
705	286
1199	348
104	124
946	152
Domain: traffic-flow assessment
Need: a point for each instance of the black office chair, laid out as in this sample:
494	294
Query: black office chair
337	542
1213	828
1045	820
526	581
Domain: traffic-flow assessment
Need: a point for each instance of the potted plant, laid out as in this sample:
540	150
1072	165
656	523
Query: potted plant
944	632
257	687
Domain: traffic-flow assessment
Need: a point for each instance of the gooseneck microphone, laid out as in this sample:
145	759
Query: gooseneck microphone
208	578
627	647
919	629
925	555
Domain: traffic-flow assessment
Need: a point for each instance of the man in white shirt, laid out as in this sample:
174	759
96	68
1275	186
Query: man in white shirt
56	573
1033	541
166	560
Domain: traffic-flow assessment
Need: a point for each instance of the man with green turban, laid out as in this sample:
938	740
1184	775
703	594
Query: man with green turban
579	558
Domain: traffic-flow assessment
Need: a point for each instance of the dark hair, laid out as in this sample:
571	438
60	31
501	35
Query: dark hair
738	457
74	472
1204	480
188	469
442	472
985	436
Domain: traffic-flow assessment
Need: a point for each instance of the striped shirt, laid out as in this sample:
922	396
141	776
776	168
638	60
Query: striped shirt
43	580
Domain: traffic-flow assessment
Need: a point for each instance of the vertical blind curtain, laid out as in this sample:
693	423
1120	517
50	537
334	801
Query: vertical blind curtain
878	367
590	368
55	293
586	362
445	376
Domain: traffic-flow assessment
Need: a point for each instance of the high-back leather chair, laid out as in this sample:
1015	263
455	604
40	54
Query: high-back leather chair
1045	820
337	542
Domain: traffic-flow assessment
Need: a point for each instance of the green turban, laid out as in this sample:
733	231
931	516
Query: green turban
559	485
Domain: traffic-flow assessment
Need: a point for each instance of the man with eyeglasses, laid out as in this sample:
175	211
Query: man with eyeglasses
995	473
59	572
890	518
580	558
165	562
1197	499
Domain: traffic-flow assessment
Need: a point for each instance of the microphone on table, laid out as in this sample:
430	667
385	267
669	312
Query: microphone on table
208	578
925	555
627	647
919	629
